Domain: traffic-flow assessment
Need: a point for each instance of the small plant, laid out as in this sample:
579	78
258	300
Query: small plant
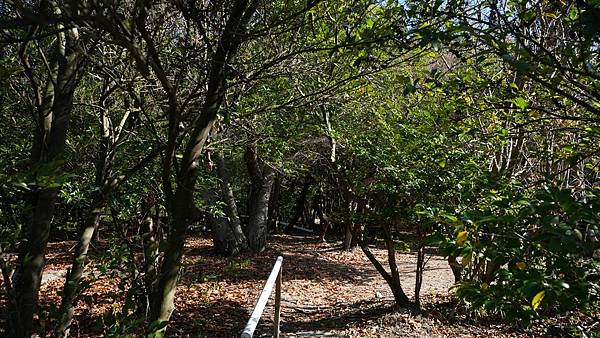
205	277
234	266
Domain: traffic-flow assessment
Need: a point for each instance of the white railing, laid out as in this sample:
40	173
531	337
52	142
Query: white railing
274	279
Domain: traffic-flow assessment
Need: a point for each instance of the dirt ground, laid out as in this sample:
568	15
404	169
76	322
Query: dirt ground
326	292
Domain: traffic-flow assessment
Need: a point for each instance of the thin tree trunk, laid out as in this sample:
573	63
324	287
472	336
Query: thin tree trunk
273	224
357	234
73	280
358	227
490	271
393	277
399	295
106	185
456	268
354	230
235	225
324	220
419	273
90	227
348	236
151	246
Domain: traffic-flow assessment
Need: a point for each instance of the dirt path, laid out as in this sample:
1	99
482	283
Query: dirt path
327	292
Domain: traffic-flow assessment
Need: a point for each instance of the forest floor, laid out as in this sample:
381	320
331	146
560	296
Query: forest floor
326	292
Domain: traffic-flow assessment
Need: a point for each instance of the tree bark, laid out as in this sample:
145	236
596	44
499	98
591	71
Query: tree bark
491	267
273	224
73	280
150	229
419	272
325	224
28	276
260	190
399	295
347	243
51	140
163	296
75	274
228	237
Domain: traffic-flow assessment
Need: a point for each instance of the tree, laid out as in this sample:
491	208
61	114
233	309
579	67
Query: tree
52	87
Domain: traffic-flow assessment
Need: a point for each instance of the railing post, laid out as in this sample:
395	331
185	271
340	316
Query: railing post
273	280
277	305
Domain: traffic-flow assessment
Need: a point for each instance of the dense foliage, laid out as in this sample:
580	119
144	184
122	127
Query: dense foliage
469	125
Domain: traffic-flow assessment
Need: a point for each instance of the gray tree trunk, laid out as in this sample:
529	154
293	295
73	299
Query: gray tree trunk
258	215
228	237
258	207
150	236
456	268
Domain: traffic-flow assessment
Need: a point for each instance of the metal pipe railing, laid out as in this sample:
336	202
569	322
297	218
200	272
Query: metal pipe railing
273	280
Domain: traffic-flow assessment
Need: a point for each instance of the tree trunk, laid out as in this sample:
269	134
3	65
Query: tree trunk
419	273
72	285
28	276
491	267
228	237
150	237
47	152
399	295
348	236
300	202
456	268
257	221
325	224
357	234
162	302
260	190
179	205
393	277
273	224
354	230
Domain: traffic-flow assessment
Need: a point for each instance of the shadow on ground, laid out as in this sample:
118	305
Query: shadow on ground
299	263
344	315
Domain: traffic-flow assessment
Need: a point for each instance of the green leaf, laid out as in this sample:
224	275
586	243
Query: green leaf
520	102
573	13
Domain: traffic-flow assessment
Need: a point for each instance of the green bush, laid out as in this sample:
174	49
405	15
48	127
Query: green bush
543	248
